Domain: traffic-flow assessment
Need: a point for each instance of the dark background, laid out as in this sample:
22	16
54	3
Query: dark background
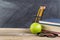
21	13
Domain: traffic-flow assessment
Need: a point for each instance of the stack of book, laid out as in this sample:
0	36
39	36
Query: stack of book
51	25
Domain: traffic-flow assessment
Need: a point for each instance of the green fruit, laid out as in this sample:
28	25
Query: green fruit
35	28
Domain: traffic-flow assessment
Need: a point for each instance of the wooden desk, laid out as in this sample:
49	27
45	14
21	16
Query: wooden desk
20	34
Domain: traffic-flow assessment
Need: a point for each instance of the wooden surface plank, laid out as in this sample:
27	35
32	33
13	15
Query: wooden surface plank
26	38
20	34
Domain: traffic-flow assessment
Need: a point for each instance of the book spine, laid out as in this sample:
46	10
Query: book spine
49	23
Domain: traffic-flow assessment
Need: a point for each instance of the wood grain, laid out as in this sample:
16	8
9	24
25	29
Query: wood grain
24	36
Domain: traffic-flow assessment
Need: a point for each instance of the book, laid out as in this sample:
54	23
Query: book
51	26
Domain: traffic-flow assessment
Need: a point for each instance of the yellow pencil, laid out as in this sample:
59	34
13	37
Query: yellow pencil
40	13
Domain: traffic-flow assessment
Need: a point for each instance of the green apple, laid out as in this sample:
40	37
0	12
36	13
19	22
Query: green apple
35	28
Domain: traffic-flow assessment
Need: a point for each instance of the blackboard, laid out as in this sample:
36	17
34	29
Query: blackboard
21	13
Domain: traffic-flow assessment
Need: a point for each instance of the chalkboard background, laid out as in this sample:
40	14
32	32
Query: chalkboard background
21	13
